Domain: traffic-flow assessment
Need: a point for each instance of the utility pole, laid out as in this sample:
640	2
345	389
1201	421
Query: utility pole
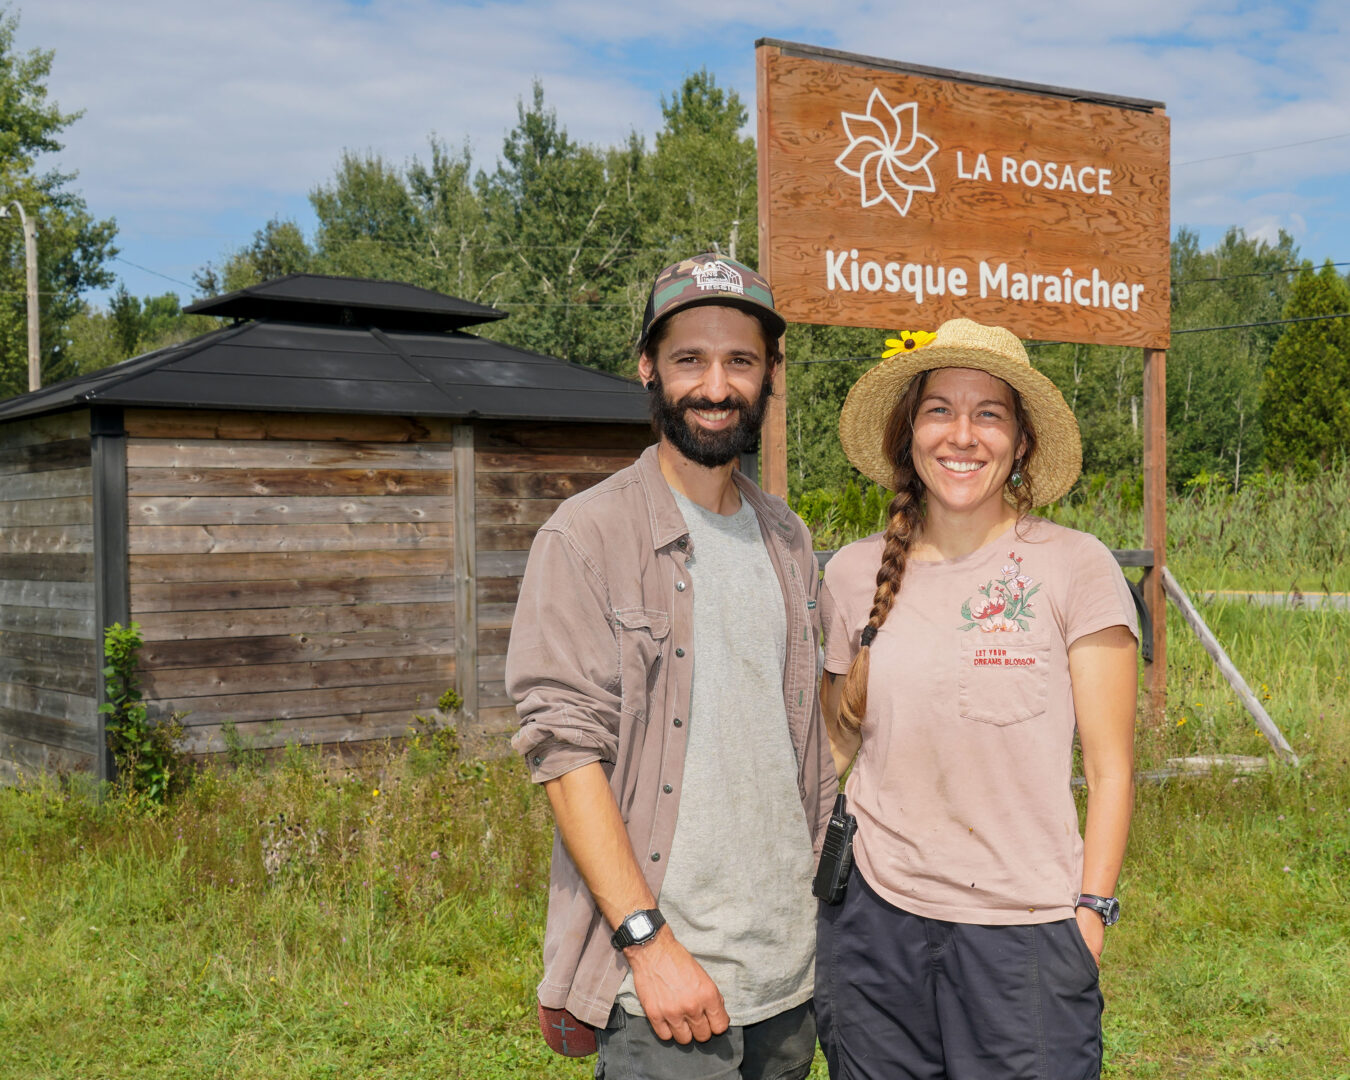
30	264
735	235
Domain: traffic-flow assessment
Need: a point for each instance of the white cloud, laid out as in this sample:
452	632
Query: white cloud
201	115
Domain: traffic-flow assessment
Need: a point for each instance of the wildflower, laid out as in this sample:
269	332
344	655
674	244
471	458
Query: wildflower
435	854
376	793
1287	870
1181	721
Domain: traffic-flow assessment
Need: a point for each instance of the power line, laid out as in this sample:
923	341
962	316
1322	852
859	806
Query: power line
1260	150
1268	322
147	270
1254	273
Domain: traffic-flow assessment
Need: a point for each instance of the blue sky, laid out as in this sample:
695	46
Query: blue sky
203	120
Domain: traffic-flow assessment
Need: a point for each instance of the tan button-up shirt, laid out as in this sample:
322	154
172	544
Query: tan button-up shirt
600	665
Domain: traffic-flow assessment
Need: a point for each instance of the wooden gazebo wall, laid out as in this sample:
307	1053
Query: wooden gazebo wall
522	471
302	578
48	661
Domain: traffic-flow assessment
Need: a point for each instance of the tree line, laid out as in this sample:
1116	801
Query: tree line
567	237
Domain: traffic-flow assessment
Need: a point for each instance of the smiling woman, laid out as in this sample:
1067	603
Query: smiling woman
989	627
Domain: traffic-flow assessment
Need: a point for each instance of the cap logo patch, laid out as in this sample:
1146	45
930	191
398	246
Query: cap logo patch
717	276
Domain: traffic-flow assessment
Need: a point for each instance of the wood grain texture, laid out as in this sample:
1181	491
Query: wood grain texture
44	567
587	438
75	712
284	454
466	569
39	430
23	759
568	460
226	425
809	205
36	539
506	537
240	539
507	485
516	511
347	735
315	620
298	704
76	510
71	595
58	484
287	565
217	681
58	622
82	681
207	510
276	482
44	457
49	649
220	595
258	652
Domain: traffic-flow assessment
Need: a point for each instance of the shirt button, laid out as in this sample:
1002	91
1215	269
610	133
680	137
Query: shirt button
682	543
679	586
656	856
667	789
679	722
538	760
679	652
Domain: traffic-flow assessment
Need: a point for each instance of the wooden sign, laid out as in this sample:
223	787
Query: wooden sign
898	197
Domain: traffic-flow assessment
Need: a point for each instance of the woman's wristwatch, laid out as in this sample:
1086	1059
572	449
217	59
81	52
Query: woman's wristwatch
638	928
1108	907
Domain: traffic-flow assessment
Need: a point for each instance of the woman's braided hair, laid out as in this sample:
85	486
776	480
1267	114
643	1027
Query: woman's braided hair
906	516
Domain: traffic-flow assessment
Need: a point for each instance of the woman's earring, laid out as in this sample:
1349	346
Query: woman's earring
1016	478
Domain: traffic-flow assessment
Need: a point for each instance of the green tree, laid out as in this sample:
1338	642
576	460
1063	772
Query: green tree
130	326
563	220
277	249
703	175
1305	395
72	247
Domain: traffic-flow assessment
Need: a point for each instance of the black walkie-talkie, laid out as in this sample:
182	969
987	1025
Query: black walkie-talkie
836	854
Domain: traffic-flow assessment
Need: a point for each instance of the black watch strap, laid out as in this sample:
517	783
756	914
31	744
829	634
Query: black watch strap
638	928
1108	907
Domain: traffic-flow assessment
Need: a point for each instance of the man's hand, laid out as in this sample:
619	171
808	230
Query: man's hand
1092	928
680	1000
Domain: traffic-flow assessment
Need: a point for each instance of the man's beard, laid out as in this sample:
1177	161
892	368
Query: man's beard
711	449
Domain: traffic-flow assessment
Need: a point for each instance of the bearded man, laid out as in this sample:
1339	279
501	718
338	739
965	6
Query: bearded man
663	662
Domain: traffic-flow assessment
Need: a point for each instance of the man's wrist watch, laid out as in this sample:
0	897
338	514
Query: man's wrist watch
638	928
1108	907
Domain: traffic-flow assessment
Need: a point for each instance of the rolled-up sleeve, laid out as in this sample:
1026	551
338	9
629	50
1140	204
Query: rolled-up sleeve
562	662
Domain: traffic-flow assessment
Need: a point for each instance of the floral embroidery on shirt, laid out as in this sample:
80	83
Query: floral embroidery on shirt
1003	604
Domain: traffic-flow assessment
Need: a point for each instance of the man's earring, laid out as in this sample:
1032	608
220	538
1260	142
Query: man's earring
650	384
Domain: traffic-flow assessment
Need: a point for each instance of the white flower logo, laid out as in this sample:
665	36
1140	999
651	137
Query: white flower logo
890	151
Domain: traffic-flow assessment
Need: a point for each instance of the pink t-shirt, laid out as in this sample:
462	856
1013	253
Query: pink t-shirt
961	788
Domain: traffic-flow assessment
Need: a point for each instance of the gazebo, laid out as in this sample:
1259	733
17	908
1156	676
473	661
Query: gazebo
318	515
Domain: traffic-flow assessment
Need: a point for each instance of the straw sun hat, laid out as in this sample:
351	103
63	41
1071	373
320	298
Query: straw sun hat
961	343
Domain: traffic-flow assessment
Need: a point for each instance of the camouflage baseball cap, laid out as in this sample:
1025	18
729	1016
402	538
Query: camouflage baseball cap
709	279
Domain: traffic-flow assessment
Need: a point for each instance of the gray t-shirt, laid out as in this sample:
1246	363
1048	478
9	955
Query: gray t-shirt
737	891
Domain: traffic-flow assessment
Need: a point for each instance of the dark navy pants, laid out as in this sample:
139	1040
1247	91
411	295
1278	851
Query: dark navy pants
903	997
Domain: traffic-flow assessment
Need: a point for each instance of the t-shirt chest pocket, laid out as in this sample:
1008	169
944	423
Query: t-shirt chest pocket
642	634
1003	679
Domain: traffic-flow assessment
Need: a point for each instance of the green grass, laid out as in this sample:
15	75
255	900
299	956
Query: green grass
294	923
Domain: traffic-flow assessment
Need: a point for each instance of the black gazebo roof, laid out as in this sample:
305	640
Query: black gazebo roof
347	345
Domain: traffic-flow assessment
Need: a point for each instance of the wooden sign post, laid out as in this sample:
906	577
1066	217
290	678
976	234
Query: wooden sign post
898	196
